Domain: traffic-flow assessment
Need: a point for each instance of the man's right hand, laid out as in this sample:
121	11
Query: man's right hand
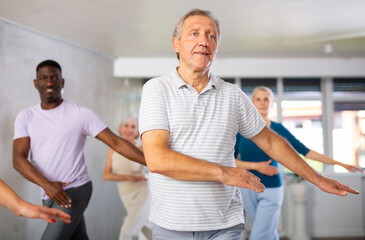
55	191
240	177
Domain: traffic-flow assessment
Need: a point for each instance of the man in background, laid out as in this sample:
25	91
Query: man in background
54	132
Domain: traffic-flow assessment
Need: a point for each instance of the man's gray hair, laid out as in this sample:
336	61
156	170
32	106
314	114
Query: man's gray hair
194	12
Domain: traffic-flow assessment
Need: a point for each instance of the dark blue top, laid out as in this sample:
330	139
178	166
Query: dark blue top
250	152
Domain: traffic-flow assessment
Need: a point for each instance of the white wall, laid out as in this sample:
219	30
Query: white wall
89	82
329	215
237	67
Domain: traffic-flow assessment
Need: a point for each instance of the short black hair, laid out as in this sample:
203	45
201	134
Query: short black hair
49	63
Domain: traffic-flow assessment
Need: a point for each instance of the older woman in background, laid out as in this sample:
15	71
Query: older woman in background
263	209
132	185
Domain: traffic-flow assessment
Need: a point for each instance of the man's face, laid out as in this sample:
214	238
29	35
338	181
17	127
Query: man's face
198	43
49	83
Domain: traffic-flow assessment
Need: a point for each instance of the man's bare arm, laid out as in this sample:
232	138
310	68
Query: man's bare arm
160	159
121	146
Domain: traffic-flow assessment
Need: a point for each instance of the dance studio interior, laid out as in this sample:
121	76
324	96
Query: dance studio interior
311	54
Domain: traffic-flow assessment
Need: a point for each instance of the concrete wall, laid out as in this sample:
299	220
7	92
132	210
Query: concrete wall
89	82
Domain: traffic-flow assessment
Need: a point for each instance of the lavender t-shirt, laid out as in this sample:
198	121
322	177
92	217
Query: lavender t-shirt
57	139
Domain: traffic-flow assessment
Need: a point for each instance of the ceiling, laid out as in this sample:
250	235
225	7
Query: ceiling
143	28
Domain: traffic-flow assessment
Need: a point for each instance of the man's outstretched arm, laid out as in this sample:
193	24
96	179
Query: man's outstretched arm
121	146
160	159
277	148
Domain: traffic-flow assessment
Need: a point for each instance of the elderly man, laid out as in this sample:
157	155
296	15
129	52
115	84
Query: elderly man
188	122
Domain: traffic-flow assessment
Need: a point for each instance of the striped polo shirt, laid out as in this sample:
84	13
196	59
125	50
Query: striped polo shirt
204	126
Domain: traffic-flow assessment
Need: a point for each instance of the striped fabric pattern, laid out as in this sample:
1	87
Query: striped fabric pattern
201	125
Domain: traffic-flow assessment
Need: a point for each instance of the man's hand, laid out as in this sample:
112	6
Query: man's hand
334	187
240	177
55	191
266	168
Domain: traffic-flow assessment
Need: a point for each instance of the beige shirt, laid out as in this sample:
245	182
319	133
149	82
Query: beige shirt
122	165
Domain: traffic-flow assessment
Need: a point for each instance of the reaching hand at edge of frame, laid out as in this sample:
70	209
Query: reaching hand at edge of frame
20	207
30	210
335	187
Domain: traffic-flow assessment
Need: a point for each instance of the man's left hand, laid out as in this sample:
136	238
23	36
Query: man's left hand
335	187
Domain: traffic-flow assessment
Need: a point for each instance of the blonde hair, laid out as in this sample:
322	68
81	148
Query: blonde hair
127	119
263	88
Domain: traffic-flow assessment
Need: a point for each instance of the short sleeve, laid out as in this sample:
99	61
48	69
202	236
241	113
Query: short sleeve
21	126
92	124
250	121
153	110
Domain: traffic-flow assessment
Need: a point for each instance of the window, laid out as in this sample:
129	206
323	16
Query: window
303	119
349	122
302	87
302	113
348	137
248	84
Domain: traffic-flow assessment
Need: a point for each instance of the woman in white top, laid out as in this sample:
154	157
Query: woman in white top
132	185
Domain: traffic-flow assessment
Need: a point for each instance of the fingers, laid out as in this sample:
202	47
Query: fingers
353	168
359	169
240	177
51	213
269	170
140	178
63	199
272	170
30	210
348	189
46	218
55	191
252	182
334	187
65	184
